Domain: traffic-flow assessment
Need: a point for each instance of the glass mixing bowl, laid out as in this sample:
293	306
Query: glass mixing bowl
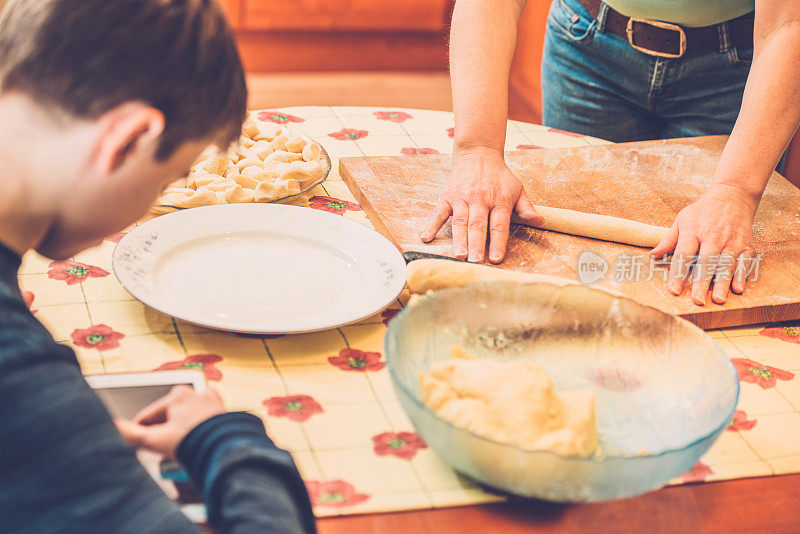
665	390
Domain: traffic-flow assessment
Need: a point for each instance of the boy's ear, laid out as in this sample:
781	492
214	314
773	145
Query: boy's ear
129	129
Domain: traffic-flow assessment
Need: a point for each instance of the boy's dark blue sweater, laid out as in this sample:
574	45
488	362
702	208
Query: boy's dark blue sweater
65	468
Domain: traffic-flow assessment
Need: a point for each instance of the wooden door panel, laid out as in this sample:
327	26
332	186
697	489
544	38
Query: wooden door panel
372	15
232	8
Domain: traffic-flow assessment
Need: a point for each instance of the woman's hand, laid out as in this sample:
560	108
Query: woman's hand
718	230
481	194
162	426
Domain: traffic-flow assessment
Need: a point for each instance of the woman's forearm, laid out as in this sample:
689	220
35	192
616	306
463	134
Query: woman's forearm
481	192
770	111
482	44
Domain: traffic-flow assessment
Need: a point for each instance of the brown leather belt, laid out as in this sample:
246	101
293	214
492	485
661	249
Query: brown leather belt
664	39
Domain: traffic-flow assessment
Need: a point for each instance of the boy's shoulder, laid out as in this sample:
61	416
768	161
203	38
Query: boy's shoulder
10	293
21	334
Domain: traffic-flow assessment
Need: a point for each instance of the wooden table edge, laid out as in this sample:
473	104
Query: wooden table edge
761	504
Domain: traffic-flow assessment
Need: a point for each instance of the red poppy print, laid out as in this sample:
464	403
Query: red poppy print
784	333
564	132
393	116
758	373
201	362
100	337
349	134
357	360
28	297
298	408
73	272
277	117
413	151
617	380
115	238
336	493
388	315
332	205
401	444
697	473
741	422
527	147
451	132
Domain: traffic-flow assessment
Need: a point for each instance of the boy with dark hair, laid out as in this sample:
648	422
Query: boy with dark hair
102	104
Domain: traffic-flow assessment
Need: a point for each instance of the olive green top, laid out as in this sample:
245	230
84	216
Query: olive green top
684	12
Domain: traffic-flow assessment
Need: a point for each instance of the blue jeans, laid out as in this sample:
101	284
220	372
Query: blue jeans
595	83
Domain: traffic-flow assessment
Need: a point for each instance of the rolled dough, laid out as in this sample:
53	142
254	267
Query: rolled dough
602	227
511	402
433	274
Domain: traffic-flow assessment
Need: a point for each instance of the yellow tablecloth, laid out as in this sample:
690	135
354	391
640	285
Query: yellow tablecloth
351	440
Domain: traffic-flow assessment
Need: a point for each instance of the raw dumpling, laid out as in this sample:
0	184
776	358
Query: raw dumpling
287	186
214	165
303	171
315	169
261	149
248	162
312	152
238	194
199	180
185	191
219	185
246	153
248	182
268	133
262	173
283	156
265	164
265	192
296	170
296	144
201	197
279	143
250	129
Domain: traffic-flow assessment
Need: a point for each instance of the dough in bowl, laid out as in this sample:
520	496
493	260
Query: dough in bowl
511	402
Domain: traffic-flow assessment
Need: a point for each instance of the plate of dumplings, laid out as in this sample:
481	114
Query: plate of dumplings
267	164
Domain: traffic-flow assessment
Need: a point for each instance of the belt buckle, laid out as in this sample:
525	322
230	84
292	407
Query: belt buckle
657	24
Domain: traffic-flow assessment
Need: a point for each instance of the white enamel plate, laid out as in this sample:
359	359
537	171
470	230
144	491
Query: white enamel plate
260	268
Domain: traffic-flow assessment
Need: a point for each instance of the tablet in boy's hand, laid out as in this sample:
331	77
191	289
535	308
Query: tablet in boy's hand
125	394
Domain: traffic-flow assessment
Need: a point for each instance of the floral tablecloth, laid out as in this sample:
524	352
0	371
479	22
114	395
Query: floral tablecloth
327	396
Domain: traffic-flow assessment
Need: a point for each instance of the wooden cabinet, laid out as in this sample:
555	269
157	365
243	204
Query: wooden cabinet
525	80
335	35
375	35
347	15
233	9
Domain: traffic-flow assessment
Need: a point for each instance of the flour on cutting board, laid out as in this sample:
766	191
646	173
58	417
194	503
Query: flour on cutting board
681	163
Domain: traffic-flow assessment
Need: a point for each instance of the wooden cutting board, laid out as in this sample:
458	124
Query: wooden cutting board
647	181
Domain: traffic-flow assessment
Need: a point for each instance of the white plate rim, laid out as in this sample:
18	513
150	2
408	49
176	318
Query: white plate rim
394	263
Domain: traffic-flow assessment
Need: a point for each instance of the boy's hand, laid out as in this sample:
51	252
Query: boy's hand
162	426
